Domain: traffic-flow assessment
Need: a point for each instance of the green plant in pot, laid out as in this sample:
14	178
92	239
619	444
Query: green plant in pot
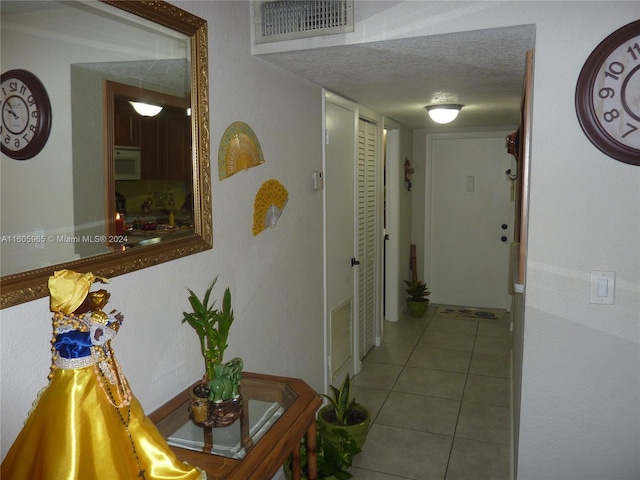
343	413
221	381
333	461
417	303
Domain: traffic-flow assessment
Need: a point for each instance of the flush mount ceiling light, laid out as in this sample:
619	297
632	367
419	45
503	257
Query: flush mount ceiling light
444	113
146	109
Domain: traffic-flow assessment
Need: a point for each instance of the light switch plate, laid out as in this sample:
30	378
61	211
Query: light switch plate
471	180
602	287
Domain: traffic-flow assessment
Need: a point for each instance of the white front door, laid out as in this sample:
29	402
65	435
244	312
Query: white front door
340	137
472	221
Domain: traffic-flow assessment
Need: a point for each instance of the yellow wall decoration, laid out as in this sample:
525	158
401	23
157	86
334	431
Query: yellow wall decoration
269	203
239	150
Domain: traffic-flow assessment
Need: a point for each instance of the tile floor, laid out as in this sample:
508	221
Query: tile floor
439	393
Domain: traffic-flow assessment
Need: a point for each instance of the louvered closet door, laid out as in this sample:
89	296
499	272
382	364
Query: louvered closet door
367	227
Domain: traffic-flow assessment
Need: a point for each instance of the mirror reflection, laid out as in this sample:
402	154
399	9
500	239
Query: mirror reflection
150	155
109	180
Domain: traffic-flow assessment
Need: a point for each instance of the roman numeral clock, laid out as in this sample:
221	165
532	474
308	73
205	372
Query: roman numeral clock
608	95
26	115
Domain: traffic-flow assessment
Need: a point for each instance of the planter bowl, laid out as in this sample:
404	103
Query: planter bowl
358	430
417	308
209	414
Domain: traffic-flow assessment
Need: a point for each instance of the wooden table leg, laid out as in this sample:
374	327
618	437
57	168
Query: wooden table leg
295	463
208	439
312	459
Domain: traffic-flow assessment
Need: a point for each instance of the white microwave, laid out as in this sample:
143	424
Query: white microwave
127	163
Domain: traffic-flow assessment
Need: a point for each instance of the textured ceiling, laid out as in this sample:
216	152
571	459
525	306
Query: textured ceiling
482	70
168	76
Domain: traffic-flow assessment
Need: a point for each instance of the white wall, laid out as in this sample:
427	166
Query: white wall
581	373
275	278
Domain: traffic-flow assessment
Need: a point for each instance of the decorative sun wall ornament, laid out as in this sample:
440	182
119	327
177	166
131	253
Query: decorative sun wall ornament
269	203
239	150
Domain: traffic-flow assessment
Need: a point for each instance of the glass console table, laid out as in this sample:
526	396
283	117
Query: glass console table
278	412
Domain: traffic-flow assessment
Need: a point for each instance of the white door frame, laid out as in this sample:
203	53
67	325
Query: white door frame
360	112
391	273
356	365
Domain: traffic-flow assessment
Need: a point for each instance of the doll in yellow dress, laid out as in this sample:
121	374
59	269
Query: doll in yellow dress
86	424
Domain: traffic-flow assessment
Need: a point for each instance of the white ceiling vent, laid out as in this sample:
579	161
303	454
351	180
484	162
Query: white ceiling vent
289	19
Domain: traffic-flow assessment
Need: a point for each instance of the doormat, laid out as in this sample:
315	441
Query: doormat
472	313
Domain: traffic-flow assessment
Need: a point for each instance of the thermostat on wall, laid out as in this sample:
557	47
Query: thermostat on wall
318	181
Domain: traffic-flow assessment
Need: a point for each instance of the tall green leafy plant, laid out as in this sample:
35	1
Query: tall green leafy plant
341	401
211	325
332	460
417	290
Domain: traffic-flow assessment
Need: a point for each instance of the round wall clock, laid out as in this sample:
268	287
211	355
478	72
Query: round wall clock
26	115
608	95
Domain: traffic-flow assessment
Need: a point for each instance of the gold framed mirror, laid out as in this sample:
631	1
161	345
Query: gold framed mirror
152	36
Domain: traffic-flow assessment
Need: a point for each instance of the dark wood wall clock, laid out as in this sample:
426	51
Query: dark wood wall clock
608	95
26	115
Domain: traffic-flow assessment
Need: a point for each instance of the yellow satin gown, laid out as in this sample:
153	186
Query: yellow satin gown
75	433
86	424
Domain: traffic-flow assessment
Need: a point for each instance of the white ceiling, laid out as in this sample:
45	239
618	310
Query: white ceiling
482	70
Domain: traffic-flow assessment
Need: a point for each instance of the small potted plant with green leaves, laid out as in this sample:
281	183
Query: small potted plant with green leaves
219	389
417	303
344	413
333	460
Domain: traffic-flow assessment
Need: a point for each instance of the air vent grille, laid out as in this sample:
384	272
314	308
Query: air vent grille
341	336
286	20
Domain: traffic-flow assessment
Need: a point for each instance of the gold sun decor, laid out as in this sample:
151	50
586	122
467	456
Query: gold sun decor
268	206
239	150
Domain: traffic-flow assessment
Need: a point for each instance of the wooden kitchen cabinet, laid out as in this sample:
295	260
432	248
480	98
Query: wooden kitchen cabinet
175	142
165	145
126	124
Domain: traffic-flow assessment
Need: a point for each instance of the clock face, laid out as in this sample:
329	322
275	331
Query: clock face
26	115
608	95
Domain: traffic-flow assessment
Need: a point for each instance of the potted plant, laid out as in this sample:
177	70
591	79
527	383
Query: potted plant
219	389
343	413
333	461
417	303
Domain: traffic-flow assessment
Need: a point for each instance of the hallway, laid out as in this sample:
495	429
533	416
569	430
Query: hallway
439	393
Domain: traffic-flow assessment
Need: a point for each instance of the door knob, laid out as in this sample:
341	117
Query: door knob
504	226
354	262
503	238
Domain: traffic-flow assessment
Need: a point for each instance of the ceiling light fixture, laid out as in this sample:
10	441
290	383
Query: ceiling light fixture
444	113
146	109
